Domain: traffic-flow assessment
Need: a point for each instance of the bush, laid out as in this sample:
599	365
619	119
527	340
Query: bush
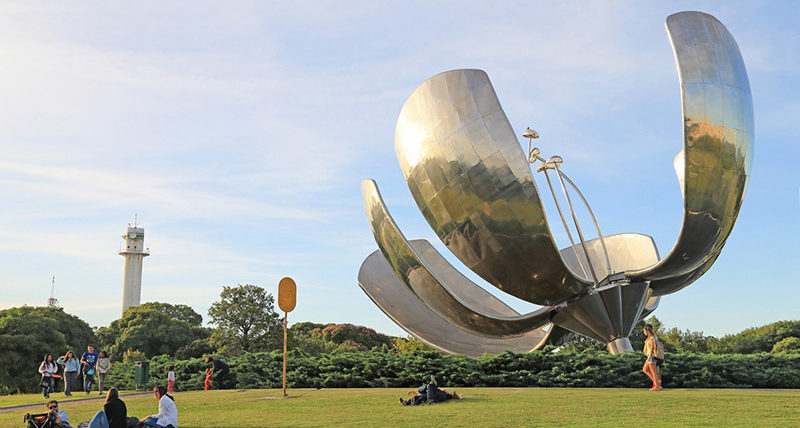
789	345
381	369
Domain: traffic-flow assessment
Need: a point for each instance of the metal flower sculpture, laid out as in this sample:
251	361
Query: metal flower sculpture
471	180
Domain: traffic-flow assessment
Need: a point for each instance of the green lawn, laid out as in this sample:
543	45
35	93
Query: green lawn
480	407
19	399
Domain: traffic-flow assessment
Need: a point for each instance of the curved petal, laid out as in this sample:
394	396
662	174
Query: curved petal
378	279
718	146
469	177
427	284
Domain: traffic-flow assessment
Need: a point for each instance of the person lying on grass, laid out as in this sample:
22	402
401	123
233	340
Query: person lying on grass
430	393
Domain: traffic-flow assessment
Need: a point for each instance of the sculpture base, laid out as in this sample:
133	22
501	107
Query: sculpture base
620	346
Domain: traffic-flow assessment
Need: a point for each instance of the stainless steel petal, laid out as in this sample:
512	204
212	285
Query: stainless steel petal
428	284
650	306
469	177
378	279
718	146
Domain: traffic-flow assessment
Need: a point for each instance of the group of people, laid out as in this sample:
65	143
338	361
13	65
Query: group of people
430	393
93	364
89	365
115	413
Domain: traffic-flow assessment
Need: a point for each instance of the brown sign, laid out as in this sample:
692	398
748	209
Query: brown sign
287	294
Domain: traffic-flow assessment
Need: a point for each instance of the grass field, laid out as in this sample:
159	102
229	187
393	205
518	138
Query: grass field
20	399
510	407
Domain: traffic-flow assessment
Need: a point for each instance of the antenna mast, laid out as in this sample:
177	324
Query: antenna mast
52	302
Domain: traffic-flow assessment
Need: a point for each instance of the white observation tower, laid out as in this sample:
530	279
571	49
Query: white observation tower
134	253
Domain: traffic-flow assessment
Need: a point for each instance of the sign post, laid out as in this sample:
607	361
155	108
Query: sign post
287	299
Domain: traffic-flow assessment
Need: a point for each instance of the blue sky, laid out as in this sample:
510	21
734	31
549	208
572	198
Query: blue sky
239	133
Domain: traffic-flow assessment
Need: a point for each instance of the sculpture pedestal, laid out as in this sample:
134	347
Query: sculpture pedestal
620	346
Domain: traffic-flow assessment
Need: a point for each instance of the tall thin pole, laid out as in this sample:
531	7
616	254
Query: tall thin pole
285	316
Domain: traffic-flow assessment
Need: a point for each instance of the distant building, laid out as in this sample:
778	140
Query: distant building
134	254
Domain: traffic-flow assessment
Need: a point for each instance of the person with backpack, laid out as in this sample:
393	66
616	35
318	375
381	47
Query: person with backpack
88	361
654	351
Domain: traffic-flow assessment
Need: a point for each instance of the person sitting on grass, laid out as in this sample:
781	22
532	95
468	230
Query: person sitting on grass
430	393
114	413
167	416
62	421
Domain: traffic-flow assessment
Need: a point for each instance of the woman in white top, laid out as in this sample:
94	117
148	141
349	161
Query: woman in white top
167	416
171	379
103	365
48	368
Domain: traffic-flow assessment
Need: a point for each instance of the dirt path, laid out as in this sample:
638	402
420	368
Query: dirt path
40	406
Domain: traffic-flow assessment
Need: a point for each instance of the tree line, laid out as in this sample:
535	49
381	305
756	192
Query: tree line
245	323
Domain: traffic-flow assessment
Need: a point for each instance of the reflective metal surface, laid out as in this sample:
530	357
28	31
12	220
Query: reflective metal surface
470	178
612	311
432	287
718	147
379	281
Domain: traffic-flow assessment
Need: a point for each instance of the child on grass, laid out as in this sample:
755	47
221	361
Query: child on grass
208	378
170	379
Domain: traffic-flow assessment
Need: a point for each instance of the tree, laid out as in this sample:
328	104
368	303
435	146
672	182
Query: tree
686	340
409	344
245	319
756	339
154	329
355	336
789	345
196	349
178	312
301	339
28	333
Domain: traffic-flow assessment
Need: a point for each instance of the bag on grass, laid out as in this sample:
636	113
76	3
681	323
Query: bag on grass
41	420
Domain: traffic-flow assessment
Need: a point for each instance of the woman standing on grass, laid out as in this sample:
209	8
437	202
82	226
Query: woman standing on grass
171	379
71	367
103	364
48	368
651	345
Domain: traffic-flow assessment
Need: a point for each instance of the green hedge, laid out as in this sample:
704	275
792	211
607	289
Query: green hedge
540	368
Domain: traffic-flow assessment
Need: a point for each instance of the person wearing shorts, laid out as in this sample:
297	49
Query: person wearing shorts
650	367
